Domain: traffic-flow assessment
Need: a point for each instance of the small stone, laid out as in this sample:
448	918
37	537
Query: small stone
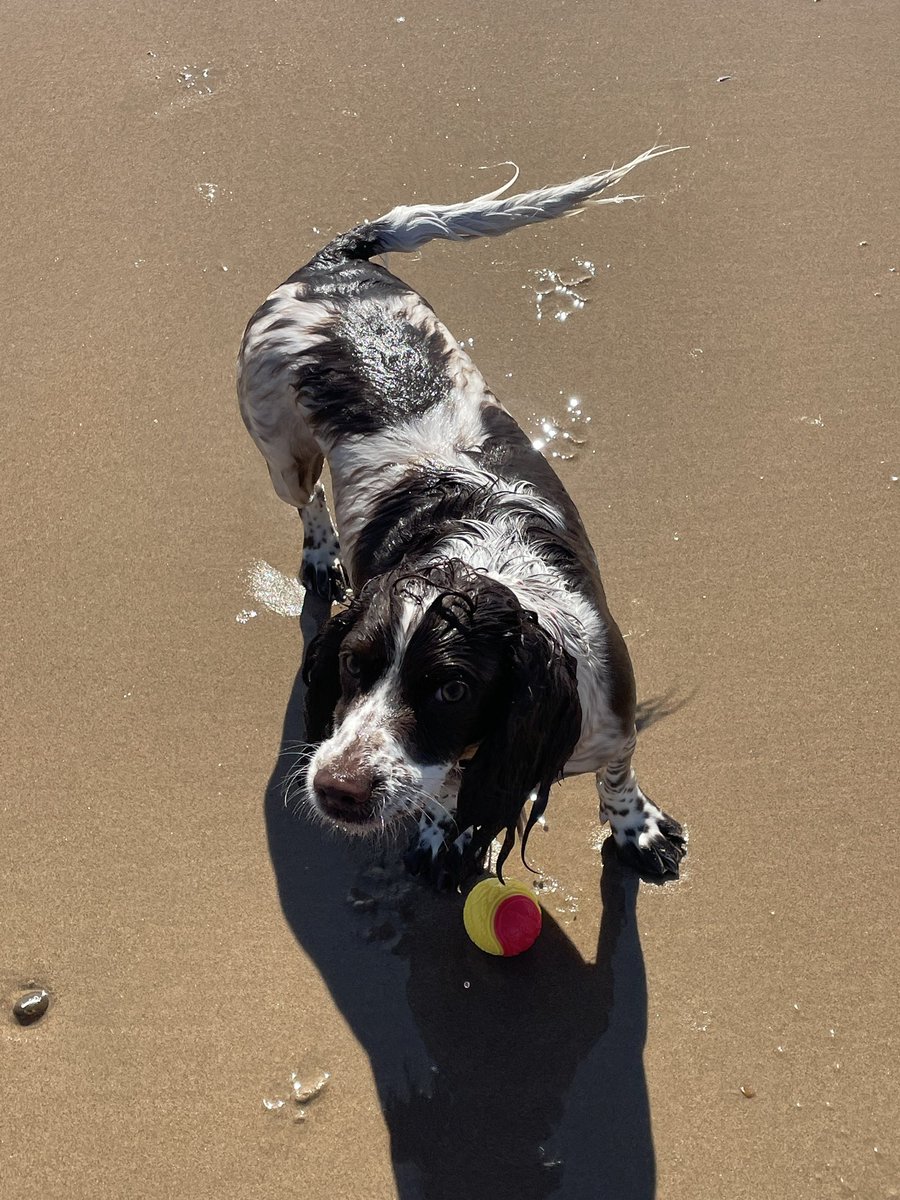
747	1091
32	1006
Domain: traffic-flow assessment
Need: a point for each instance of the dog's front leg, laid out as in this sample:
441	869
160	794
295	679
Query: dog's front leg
321	571
647	838
439	851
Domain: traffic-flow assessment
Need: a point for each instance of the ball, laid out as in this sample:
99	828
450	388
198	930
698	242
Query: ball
502	918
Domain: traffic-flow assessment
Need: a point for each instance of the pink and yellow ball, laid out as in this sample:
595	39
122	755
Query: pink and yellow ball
502	918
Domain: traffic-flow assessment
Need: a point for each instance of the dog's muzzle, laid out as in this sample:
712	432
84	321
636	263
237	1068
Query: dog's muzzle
345	793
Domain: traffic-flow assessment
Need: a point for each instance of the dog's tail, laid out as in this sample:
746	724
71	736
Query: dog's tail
408	227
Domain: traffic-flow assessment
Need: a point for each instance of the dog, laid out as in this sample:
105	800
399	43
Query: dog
474	662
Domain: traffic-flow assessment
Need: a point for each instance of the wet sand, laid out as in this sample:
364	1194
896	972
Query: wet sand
734	1035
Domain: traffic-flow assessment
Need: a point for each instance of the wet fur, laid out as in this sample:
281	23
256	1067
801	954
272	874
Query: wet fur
469	563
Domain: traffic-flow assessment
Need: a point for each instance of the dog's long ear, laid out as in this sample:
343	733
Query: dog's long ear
322	674
538	727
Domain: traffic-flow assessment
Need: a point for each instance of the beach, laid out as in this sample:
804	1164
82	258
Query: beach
244	1005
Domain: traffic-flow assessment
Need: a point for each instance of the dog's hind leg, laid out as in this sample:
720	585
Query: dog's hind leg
295	464
284	329
646	838
321	571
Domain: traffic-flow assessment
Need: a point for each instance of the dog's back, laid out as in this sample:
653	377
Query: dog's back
346	359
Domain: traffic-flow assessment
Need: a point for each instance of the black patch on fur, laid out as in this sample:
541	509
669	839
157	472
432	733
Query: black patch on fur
321	674
360	243
425	508
375	370
375	366
281	323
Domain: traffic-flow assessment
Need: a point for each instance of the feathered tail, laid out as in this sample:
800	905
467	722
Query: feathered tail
408	227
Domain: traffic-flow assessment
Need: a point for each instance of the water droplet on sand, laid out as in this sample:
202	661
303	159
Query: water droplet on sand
196	79
559	294
560	436
305	1090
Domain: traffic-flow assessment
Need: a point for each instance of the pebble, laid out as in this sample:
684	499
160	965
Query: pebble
32	1006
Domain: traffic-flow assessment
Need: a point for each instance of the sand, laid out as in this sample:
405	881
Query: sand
733	1035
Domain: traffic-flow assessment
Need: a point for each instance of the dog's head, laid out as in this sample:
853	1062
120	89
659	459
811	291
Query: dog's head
432	678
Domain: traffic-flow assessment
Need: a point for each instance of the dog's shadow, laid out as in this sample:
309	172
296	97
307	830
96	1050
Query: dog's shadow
501	1078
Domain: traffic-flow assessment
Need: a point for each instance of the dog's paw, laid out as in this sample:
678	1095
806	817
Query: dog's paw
323	573
655	847
441	856
429	853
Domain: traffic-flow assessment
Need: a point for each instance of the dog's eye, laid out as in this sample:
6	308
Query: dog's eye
452	691
352	664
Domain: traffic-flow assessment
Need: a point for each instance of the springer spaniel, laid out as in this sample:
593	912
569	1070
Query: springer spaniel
475	662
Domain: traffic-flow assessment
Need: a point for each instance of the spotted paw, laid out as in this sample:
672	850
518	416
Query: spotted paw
655	848
439	856
323	573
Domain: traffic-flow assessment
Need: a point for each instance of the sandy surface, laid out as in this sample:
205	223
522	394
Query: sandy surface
163	167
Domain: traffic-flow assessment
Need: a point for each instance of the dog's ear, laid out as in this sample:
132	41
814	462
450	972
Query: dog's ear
538	726
322	674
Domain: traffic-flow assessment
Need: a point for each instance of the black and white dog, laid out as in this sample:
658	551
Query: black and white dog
476	661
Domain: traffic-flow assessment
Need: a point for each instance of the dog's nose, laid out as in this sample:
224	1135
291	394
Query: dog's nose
347	797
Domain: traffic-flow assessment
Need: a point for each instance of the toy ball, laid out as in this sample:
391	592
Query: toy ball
502	918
